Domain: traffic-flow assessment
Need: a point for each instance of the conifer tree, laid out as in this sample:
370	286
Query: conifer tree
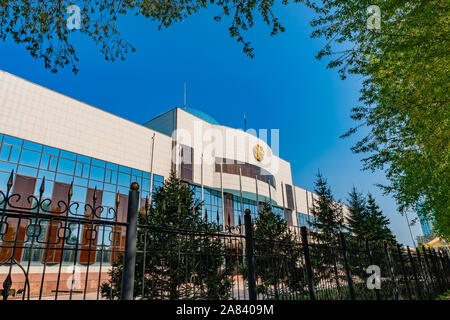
277	256
185	259
377	223
329	220
357	212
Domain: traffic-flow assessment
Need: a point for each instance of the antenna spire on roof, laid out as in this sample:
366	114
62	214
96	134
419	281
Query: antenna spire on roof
185	94
245	123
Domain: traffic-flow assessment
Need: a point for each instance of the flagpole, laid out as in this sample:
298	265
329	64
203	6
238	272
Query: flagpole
257	198
409	226
240	190
151	170
270	194
282	194
295	204
223	200
307	204
202	187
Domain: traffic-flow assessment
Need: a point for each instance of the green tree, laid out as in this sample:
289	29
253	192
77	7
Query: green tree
357	212
328	222
404	66
377	224
42	25
185	257
277	257
366	220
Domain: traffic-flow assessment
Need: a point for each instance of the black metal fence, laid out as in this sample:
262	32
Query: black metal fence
59	249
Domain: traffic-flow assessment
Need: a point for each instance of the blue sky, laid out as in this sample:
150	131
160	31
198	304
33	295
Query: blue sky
283	87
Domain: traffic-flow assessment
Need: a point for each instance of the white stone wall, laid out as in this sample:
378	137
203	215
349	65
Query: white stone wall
35	113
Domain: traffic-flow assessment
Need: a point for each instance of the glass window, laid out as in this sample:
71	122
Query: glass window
32	146
66	166
48	188
4	153
79	169
14	155
80	182
64	178
47	174
83	159
109	187
53	163
108	176
12	140
27	171
52	151
124	169
112	166
97	173
68	155
45	158
95	184
79	194
124	179
98	163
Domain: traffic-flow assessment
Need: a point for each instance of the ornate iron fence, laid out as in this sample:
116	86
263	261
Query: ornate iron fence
60	249
56	248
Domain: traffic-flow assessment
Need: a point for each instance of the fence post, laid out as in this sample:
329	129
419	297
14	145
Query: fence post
390	268
413	267
405	276
129	260
348	274
433	288
444	268
437	274
309	273
369	254
249	255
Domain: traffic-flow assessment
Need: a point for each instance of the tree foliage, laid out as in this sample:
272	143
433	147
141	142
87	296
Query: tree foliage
404	98
404	67
328	222
366	220
277	256
41	25
185	258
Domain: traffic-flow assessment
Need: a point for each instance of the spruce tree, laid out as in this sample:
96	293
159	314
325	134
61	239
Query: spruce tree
357	204
328	213
277	256
377	223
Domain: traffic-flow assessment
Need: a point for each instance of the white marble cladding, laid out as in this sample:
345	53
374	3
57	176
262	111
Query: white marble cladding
32	112
35	113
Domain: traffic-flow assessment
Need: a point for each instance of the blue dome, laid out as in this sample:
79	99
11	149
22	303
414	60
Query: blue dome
201	115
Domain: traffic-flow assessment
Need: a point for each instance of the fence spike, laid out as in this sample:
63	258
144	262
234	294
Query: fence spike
42	188
10	180
217	218
95	195
70	193
6	286
117	199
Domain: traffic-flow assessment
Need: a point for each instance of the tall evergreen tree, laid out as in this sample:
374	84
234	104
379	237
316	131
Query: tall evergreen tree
328	213
329	220
357	204
377	223
277	256
184	256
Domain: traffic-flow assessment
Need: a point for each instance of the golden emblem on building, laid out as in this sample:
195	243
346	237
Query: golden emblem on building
258	152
